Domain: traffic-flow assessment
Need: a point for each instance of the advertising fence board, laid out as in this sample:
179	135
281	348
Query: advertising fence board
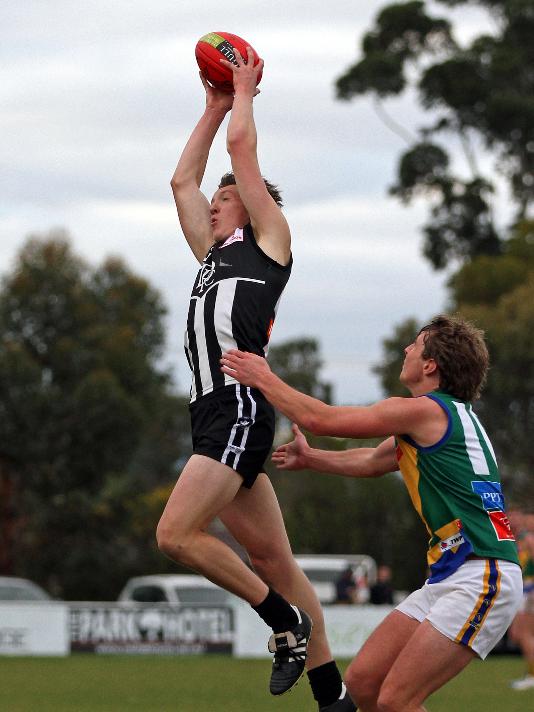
151	628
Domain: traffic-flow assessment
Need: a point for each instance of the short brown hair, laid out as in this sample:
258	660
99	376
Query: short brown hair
460	352
274	192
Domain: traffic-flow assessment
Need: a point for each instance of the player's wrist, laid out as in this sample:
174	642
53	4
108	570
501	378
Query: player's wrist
311	458
217	112
264	382
245	92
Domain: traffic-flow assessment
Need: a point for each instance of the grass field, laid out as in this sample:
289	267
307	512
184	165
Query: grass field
212	684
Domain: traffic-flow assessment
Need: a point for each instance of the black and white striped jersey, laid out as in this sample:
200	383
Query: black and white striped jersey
233	305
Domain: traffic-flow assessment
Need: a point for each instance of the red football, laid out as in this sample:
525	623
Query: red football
215	46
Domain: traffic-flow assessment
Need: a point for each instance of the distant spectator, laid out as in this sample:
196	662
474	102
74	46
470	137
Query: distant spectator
346	589
382	590
362	587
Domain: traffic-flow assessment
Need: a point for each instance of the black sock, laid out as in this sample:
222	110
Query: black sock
325	682
277	612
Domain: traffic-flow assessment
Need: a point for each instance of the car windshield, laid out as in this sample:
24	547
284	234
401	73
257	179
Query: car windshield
201	595
10	592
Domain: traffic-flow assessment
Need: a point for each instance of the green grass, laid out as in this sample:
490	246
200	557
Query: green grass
212	684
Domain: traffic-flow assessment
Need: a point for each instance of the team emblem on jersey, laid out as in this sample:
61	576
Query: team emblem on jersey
205	277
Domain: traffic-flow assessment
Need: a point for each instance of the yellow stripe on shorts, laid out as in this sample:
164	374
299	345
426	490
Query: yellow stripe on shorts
490	590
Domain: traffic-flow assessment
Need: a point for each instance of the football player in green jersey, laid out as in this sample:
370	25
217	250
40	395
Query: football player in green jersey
449	467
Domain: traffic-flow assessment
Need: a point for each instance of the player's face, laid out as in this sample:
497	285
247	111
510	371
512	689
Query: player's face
412	368
227	212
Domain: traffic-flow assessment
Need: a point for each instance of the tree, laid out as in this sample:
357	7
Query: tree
498	294
88	419
298	362
481	94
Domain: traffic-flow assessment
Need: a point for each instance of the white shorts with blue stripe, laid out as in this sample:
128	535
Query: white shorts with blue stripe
474	606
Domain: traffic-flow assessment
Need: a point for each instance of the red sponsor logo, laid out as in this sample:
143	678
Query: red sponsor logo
501	524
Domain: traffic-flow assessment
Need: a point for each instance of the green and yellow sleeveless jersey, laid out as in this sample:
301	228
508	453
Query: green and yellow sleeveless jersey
455	487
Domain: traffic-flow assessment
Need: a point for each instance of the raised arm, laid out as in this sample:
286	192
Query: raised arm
355	462
269	224
193	207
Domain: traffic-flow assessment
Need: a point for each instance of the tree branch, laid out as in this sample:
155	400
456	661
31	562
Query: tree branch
386	119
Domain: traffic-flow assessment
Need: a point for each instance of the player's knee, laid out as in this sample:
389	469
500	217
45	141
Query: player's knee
164	539
361	685
389	700
265	568
172	543
269	565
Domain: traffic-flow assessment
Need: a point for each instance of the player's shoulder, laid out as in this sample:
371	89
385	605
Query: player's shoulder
409	402
413	408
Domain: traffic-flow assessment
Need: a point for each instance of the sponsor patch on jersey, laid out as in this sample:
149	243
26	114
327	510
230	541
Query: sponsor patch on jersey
451	537
451	542
236	237
490	494
501	524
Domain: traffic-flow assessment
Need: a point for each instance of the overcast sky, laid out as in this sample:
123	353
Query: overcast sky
98	98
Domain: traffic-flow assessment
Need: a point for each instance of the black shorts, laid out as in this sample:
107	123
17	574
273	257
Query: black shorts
234	425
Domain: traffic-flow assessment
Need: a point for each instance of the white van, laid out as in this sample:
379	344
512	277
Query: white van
174	588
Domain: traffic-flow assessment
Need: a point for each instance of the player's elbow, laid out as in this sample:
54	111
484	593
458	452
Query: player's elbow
239	141
316	422
178	184
183	189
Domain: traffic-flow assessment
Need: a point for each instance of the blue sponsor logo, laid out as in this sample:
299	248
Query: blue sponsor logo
490	494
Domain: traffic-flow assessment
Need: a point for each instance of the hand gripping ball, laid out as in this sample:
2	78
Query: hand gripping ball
215	46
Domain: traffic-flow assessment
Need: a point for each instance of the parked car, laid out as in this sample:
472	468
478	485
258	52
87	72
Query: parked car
173	588
324	571
20	589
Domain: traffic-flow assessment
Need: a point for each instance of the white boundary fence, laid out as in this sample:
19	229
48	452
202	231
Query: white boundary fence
34	629
61	628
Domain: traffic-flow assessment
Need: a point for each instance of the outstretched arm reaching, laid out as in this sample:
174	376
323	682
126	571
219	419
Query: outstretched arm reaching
193	207
421	418
269	224
356	462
